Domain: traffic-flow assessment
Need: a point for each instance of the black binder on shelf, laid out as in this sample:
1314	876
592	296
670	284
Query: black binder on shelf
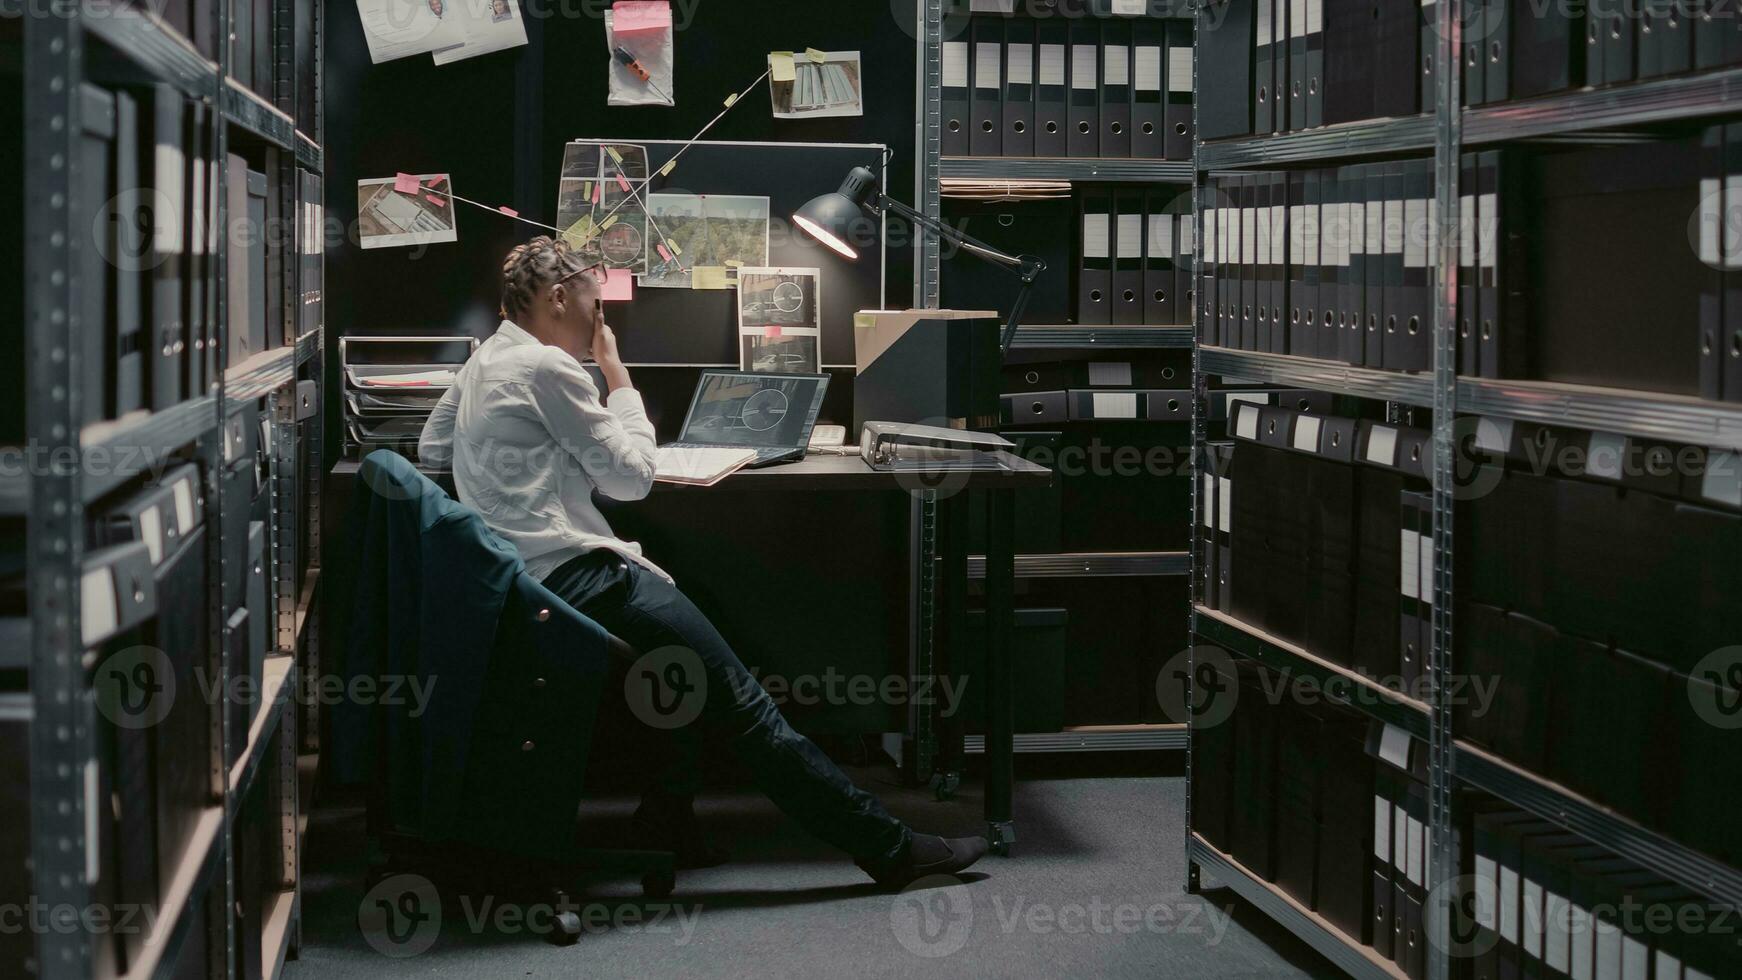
1416	329
1297	64
1180	131
261	48
1396	240
1248	262
1349	325
1299	341
1148	100
1051	90
242	341
183	739
985	138
1548	53
1494	339
1469	305
1313	94
1730	341
1415	576
1264	61
1129	218
131	336
1227	285
1085	100
1474	74
1497	49
1115	89
1711	254
168	236
1160	298
1184	268
1427	53
1349	61
1713	37
1225	49
1373	304
1261	261
1617	23
1311	301
955	108
1333	240
1019	88
1094	276
1276	277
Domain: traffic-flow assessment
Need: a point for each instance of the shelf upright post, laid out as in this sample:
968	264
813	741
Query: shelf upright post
1448	148
61	761
1199	464
225	892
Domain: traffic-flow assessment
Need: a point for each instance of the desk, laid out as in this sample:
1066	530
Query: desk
828	474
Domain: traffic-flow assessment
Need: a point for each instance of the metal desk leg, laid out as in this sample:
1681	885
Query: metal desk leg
950	631
1000	707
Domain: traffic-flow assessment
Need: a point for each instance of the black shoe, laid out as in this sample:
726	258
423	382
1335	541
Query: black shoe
925	855
671	826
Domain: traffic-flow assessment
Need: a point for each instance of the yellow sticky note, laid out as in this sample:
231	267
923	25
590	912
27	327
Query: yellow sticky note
815	55
675	249
608	222
734	264
612	150
780	62
709	277
864	321
731	99
579	233
666	170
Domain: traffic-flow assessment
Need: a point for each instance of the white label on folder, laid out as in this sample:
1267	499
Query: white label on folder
1667	967
1394	747
992	6
1723	479
1382	446
1309	233
1021	64
1297	18
266	437
184	504
1095	236
166	237
1554	932
1262	231
197	208
1493	435
1117	64
1732	247
1206	497
1375	227
1224	504
1315	16
1426	582
1635	959
98	616
1533	918
1608	951
1146	72
1399	839
1052	64
94	810
1508	904
1179	69
1711	216
1579	931
1130	236
1278	232
1409	564
1185	234
1246	422
1110	374
1692	974
151	529
1263	22
1415	233
1487	229
1393	227
1113	404
1466	230
1248	235
1487	893
1083	66
988	60
1357	228
1382	829
1603	455
1160	236
1130	8
955	67
1306	434
1416	849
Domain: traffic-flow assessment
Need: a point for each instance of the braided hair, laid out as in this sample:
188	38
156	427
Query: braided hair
529	268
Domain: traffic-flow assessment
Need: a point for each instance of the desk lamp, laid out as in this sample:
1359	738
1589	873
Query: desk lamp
830	218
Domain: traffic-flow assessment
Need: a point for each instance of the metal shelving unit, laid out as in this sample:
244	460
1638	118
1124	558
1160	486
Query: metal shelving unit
1103	564
1077	171
1079	337
58	48
1092	738
1452	763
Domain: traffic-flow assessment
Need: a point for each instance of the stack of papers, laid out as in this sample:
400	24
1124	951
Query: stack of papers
410	379
699	466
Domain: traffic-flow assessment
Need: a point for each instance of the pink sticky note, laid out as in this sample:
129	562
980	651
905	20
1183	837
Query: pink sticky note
406	184
771	332
505	209
619	286
628	16
598	190
664	252
439	202
623	182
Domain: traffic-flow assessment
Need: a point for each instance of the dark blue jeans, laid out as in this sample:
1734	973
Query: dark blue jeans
676	641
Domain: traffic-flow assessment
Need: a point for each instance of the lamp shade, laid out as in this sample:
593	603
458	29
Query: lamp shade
829	218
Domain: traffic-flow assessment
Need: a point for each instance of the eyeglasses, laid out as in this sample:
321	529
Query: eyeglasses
596	270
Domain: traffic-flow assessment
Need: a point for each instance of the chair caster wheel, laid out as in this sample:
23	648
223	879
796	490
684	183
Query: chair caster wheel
944	786
566	929
658	884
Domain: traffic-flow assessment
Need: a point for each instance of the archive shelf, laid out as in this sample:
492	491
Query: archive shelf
277	684
1099	564
162	52
244	108
1075	170
1092	738
1310	372
1368	137
1636	413
197	875
1079	336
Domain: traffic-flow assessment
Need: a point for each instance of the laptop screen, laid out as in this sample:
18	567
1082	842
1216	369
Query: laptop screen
733	408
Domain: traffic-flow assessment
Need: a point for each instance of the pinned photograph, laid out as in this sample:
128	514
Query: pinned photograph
802	87
601	203
778	352
396	29
485	26
779	320
704	230
411	209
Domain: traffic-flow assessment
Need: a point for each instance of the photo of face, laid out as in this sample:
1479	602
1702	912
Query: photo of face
499	11
435	7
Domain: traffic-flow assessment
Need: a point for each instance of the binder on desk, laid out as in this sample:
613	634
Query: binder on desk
168	221
1496	48
1051	93
1264	61
1730	341
1085	101
1372	350
1160	297
987	122
1115	90
1297	64
1180	132
1019	89
1094	276
1127	302
1313	97
1711	255
954	98
1148	101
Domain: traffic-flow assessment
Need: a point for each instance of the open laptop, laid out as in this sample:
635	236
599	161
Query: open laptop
772	414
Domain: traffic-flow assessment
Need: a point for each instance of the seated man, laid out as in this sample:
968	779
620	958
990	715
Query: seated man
530	441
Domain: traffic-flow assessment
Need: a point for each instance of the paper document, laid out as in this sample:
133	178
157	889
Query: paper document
400	28
485	26
699	466
409	380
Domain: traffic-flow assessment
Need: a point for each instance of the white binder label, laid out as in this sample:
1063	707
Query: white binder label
1160	236
94	809
1147	67
1533	918
1579	930
1667	967
1711	220
1723	479
1110	374
988	60
1185	234
955	67
1487	893
1508	904
1263	234
184	504
1117	64
166	232
1732	243
1399	839
1466	230
1603	455
1309	233
1608	951
1246	422
1263	22
1083	66
98	615
1409	577
1382	446
1413	870
1095	236
1375	227
151	529
1021	64
1278	232
1487	229
1130	236
992	6
1114	404
1296	220
1554	932
1415	233
1382	829
1426	581
1179	69
1493	435
1315	16
1357	228
1394	747
197	205
1130	8
1248	235
1297	18
1306	434
1052	64
1206	497
1224	504
1635	959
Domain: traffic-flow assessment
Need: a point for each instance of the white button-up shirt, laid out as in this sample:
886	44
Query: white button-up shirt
529	441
